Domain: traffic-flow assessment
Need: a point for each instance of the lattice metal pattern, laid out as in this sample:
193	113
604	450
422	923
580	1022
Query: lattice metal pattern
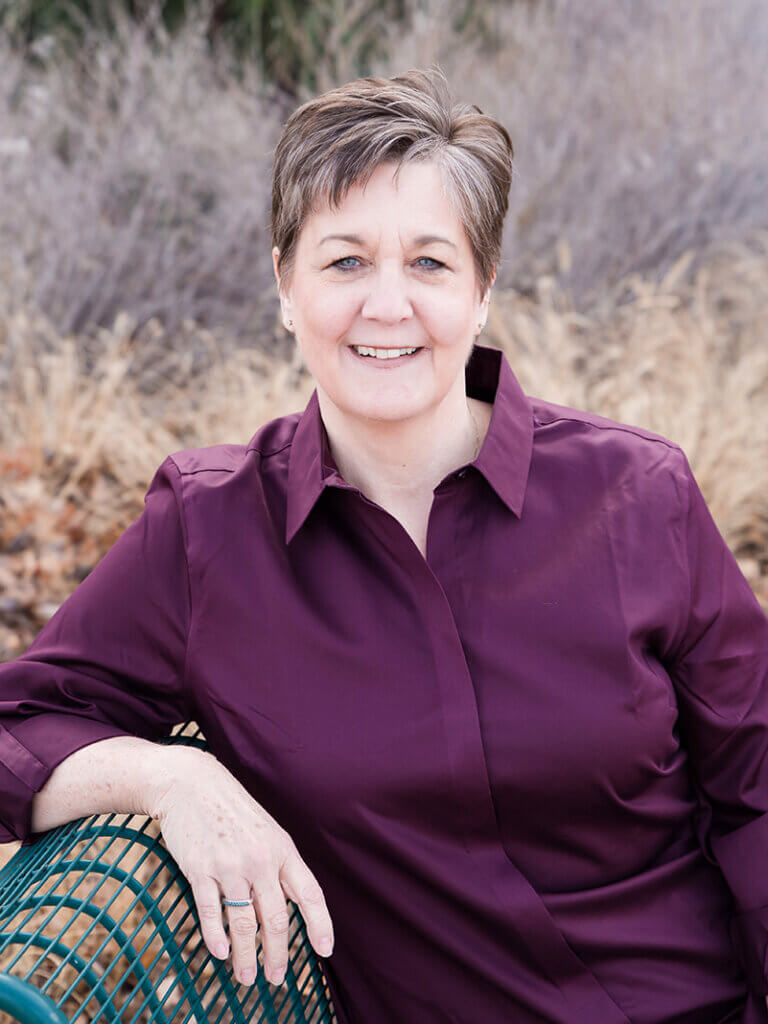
98	924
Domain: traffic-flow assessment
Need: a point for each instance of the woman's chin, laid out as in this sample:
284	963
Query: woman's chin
384	407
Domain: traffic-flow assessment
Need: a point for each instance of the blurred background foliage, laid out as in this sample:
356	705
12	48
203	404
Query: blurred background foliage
138	307
136	138
286	37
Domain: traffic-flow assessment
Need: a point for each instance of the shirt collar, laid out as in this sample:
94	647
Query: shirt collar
504	457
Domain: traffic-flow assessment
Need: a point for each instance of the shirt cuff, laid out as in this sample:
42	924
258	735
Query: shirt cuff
25	767
743	858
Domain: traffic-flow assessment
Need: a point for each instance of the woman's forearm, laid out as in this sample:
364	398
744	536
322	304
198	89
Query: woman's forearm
121	774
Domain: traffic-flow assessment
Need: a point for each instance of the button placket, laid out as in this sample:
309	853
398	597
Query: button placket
576	990
476	813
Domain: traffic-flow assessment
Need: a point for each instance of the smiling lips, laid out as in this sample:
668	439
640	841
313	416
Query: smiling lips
369	352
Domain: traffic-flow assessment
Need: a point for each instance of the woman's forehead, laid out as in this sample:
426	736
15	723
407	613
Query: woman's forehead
414	206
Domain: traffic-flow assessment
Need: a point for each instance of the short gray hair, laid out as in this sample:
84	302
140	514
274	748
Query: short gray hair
337	140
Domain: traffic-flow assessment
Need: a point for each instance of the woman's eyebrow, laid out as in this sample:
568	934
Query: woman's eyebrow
357	240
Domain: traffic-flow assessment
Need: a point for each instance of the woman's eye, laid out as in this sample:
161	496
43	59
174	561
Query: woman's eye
342	263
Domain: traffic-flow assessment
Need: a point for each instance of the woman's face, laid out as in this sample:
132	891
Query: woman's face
402	278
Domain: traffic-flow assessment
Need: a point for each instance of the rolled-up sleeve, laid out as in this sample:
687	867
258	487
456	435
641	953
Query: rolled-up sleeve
110	661
720	673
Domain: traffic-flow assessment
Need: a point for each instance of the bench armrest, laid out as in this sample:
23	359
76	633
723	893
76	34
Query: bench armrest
97	918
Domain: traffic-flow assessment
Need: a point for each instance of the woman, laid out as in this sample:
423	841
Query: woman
485	687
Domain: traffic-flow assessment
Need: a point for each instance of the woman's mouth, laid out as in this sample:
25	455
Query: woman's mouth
381	357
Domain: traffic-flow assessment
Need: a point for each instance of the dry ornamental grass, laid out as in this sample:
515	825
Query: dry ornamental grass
137	305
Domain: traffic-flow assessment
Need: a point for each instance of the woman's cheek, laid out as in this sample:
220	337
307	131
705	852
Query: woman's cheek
448	320
330	320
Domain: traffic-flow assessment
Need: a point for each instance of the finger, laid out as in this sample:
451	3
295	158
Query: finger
205	891
303	888
273	915
242	932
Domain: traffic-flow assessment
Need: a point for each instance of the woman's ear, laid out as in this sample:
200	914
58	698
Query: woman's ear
483	313
487	297
285	299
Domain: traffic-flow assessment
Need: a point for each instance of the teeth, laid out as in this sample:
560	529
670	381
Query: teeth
383	353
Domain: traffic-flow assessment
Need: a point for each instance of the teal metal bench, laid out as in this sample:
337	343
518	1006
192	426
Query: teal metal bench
98	924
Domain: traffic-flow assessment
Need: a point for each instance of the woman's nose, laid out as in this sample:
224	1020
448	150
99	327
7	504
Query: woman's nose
387	298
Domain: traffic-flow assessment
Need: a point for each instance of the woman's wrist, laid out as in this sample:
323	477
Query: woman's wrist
166	766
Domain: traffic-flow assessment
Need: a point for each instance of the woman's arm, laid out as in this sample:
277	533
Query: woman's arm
121	774
719	667
109	665
220	837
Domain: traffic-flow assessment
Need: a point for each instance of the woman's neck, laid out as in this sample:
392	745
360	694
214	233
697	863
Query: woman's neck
398	462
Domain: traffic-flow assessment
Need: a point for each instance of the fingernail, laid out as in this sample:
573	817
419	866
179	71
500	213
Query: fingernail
248	978
221	950
326	946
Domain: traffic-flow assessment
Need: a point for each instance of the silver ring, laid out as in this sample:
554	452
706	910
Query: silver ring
237	903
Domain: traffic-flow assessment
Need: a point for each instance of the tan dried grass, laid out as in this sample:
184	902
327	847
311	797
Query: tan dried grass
686	357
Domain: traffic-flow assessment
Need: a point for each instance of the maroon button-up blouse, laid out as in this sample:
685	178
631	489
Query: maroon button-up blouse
530	771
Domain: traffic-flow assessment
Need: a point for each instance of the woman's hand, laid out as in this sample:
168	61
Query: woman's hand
228	846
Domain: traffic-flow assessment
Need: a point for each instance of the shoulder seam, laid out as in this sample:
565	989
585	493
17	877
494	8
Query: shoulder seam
227	469
204	469
600	426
